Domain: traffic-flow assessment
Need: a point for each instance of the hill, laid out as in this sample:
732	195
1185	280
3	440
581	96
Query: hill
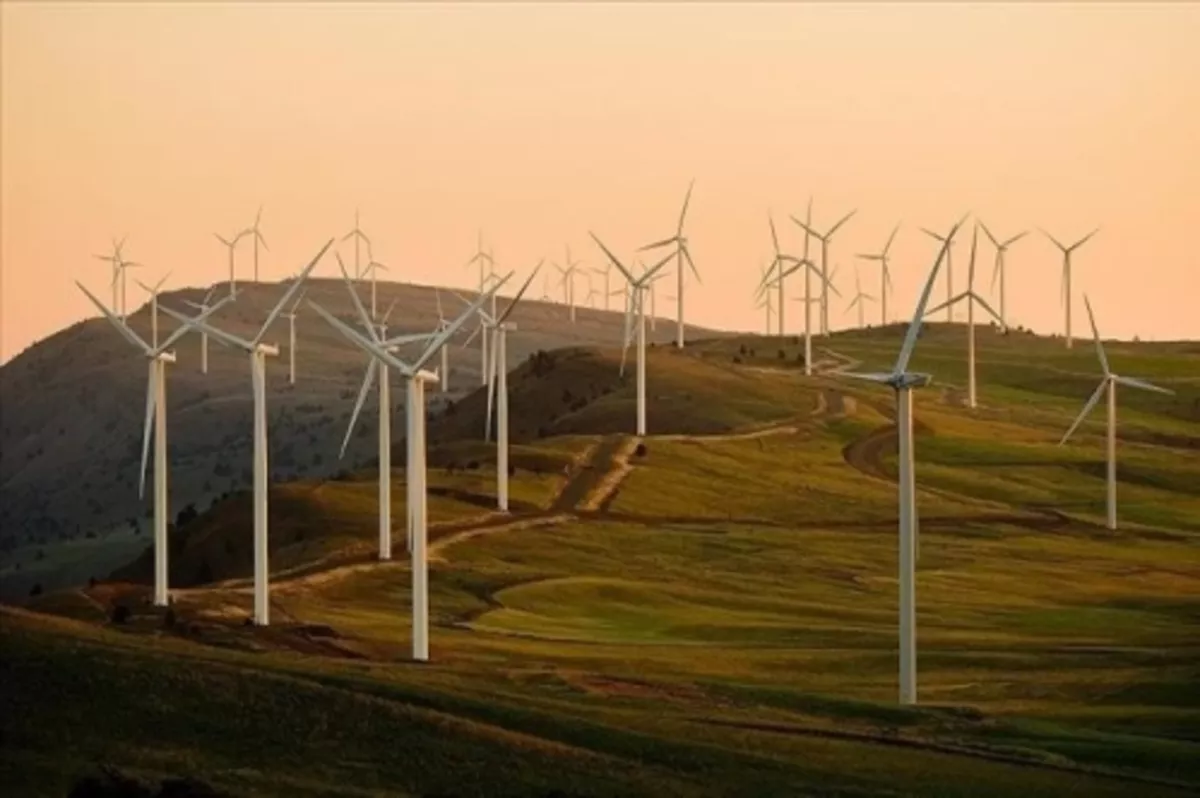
70	433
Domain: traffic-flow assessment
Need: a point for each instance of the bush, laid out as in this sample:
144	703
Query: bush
782	354
120	614
169	618
640	451
737	358
36	590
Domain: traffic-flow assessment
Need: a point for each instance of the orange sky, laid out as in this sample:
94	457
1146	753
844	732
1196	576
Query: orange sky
169	122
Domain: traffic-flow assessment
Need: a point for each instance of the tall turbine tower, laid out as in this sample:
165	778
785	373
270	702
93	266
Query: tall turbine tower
157	356
231	245
567	273
970	297
998	269
827	280
635	309
1109	382
257	351
902	381
885	276
681	253
416	377
290	314
1066	274
860	301
152	290
255	233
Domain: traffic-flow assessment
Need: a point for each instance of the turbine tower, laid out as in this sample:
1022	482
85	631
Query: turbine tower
608	292
681	253
373	267
567	281
1066	274
157	356
779	267
635	307
1109	383
255	232
885	277
290	314
416	377
860	301
484	260
152	290
231	245
902	381
202	306
257	351
825	240
998	269
970	297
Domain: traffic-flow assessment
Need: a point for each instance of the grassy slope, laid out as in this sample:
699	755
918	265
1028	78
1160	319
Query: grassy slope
730	620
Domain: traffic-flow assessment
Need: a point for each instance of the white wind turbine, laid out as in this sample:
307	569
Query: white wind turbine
152	290
373	267
902	381
258	352
808	299
499	361
608	292
416	378
885	277
635	308
119	278
567	281
290	314
444	371
1066	275
1109	383
779	270
231	245
970	297
681	254
826	280
359	237
998	269
202	306
256	233
948	305
762	298
860	301
485	261
376	369
158	356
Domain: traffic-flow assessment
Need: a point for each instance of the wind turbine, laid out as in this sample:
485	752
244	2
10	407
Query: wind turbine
568	282
231	245
971	298
291	317
484	260
152	290
826	280
781	272
416	378
375	368
998	269
499	361
608	293
157	356
762	298
1109	383
256	233
635	307
860	301
1066	276
444	371
681	253
257	351
949	273
358	236
902	381
373	267
808	299
885	277
202	306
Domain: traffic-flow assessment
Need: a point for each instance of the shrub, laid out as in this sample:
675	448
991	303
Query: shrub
120	614
640	451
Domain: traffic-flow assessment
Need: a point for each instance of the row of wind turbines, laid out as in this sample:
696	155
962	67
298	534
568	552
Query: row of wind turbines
494	326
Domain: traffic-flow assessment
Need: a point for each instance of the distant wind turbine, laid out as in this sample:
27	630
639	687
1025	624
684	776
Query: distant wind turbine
290	314
257	351
948	305
970	297
158	356
484	260
359	238
1066	274
231	245
902	381
373	267
998	269
567	282
885	277
1109	382
255	233
682	253
202	306
825	240
860	300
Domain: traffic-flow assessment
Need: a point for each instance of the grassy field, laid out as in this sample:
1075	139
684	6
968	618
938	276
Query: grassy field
712	614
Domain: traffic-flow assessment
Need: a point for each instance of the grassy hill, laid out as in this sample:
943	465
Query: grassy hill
70	433
713	613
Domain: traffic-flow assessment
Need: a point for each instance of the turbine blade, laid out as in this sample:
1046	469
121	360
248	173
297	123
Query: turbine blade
971	259
370	347
199	325
386	314
151	392
806	228
628	275
646	276
126	333
1087	408
491	383
991	311
658	244
367	323
452	327
520	293
686	199
1057	243
364	389
184	329
891	238
879	377
471	337
1096	336
988	233
840	222
291	291
692	264
1083	240
914	327
1015	238
437	295
1133	382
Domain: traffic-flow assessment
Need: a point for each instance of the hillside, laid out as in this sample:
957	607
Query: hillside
710	616
70	432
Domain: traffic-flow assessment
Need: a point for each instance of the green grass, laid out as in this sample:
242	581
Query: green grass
724	625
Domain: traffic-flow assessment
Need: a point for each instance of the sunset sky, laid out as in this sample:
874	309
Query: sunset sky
537	122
